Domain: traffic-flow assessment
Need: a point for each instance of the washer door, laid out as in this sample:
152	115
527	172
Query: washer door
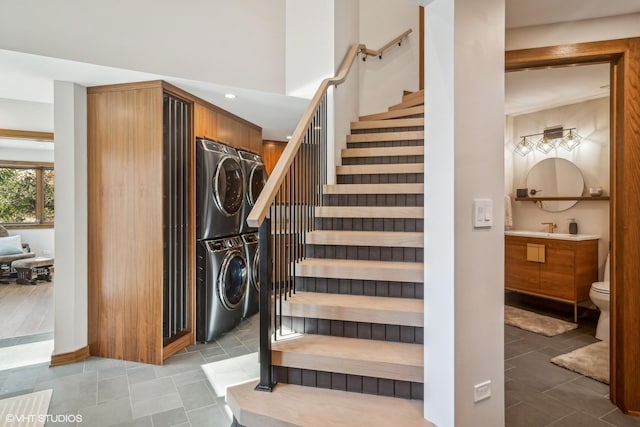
232	280
228	186
257	180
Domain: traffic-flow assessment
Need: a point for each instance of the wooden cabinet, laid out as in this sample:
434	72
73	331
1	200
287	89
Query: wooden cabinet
565	272
140	199
214	123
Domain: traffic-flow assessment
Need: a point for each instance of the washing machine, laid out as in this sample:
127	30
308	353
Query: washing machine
252	296
255	176
219	190
222	280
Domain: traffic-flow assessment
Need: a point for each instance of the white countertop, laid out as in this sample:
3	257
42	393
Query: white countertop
557	236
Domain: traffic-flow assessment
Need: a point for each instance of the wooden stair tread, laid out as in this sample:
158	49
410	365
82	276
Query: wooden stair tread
397	239
361	269
384	124
412	150
411	188
395	113
293	405
370	211
356	308
380	169
386	136
408	102
411	96
354	356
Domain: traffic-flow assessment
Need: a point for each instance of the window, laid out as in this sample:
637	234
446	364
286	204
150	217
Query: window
26	193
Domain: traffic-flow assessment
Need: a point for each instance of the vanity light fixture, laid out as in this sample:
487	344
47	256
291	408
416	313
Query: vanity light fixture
524	146
549	139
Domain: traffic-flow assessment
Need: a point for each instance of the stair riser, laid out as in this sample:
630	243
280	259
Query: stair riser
381	288
381	130
400	143
352	383
374	200
384	160
362	330
392	178
370	224
371	253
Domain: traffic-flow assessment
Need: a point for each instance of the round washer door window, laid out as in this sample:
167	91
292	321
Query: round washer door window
257	180
228	186
232	281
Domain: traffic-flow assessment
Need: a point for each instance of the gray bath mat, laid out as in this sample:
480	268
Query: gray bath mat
27	410
535	322
591	361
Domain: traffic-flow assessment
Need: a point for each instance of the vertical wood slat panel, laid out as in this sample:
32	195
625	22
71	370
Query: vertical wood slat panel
125	216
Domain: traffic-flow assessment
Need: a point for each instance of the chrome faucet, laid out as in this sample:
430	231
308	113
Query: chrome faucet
552	226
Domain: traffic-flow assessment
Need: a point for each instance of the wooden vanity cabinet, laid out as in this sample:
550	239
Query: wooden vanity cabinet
566	274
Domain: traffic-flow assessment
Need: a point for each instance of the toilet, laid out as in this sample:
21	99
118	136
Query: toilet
599	294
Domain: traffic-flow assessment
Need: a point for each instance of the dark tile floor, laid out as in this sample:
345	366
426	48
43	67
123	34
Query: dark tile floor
539	393
108	392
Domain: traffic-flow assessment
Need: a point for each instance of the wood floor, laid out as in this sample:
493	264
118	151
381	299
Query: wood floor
26	309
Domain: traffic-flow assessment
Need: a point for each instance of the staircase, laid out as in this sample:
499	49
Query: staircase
355	354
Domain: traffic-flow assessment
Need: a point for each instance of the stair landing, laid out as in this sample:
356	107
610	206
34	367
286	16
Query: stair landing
293	405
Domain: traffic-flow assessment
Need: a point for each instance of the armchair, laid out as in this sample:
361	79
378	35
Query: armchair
6	260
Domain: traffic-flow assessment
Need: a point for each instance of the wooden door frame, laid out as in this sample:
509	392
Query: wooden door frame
624	57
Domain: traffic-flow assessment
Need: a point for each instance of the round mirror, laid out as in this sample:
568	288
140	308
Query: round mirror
555	177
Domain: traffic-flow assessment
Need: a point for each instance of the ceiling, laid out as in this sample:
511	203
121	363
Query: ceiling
30	77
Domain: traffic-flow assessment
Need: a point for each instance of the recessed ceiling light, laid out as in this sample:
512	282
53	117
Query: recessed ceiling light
288	136
229	96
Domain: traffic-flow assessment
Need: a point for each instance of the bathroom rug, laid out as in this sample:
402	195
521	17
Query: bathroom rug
591	361
535	322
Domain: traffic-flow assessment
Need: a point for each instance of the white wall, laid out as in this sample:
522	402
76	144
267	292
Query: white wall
25	115
592	156
464	267
609	28
238	43
70	326
382	81
309	45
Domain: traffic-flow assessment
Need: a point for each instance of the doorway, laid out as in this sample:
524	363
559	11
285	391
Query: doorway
624	59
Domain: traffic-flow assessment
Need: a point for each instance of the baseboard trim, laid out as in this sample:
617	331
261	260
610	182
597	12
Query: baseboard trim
71	357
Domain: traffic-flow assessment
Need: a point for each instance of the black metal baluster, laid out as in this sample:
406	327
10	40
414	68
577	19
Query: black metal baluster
266	370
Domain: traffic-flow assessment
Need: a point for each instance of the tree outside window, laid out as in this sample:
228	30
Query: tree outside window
26	193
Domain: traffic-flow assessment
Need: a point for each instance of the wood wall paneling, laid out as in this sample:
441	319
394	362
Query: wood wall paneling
255	140
125	247
233	132
205	122
271	152
624	56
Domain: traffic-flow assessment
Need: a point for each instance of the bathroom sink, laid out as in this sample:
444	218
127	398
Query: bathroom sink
546	235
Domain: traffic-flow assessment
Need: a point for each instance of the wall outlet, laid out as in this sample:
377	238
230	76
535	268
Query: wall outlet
482	391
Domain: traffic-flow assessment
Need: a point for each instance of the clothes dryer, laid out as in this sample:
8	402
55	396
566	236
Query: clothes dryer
221	286
255	176
252	296
219	190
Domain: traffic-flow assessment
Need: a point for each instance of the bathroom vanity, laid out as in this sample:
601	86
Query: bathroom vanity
557	266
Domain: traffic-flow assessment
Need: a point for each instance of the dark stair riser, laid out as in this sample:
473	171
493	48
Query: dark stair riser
374	200
374	144
392	178
387	130
373	288
381	160
352	383
370	224
370	253
361	330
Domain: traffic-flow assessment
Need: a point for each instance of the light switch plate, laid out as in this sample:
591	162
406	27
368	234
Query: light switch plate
482	213
482	391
